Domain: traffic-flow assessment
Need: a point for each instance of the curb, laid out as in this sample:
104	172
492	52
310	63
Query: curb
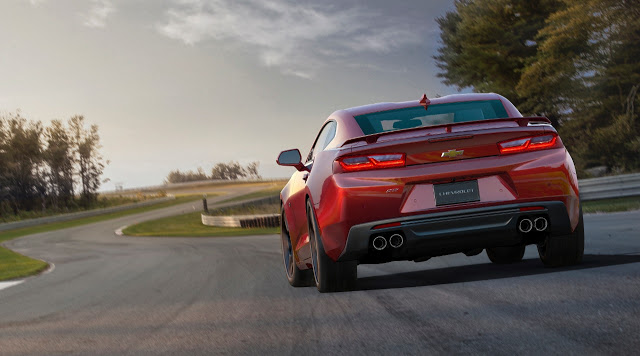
119	230
263	220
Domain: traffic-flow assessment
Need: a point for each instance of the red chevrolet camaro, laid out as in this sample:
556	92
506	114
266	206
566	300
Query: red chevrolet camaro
418	179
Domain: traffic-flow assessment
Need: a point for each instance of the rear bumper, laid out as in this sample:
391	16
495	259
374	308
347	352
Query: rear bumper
450	232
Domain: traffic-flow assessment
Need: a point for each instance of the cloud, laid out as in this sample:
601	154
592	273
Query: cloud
98	13
293	37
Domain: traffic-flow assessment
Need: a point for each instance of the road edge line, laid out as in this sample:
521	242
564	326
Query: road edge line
119	230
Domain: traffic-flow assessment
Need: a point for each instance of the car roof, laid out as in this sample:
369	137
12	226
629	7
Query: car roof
349	128
454	98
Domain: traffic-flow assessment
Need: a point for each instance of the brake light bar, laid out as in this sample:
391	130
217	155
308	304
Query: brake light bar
526	144
373	161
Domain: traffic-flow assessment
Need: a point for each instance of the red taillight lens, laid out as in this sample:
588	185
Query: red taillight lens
528	144
375	161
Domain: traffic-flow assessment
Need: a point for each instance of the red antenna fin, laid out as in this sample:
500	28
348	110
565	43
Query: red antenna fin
424	101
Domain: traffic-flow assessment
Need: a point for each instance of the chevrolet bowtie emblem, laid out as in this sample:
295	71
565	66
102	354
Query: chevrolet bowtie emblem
452	153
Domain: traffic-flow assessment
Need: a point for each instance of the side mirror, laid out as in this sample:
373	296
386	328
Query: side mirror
291	158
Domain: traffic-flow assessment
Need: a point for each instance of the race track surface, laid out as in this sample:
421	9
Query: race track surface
123	295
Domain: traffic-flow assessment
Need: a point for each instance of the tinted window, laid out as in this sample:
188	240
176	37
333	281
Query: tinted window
437	114
325	136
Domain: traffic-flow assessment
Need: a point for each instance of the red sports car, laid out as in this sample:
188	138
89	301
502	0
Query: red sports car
418	179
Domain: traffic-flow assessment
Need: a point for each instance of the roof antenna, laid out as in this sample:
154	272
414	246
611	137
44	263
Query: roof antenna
424	101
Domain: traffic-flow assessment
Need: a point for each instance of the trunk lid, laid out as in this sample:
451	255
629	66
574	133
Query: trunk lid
449	142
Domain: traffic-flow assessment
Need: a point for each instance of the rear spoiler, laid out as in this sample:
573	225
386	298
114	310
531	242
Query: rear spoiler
522	121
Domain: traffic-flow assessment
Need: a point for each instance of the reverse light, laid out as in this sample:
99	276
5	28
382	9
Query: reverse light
526	144
374	161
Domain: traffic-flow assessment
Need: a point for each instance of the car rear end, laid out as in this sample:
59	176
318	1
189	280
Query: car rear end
410	190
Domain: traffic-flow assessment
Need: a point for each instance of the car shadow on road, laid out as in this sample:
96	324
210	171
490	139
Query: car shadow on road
488	271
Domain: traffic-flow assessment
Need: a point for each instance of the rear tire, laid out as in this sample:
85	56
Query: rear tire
566	250
329	276
295	276
506	255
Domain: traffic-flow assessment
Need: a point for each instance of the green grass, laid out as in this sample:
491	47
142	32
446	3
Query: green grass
14	265
272	191
101	203
190	225
611	205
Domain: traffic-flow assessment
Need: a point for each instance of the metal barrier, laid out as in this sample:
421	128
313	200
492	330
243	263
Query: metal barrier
626	185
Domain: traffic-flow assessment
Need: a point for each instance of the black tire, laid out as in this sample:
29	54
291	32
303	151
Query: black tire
506	255
295	276
558	251
329	276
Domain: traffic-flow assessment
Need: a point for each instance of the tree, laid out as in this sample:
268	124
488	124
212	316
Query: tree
486	44
252	170
574	61
588	68
59	158
228	171
221	171
4	162
21	156
188	176
38	165
89	162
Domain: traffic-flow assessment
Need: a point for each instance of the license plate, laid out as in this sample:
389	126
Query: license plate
456	193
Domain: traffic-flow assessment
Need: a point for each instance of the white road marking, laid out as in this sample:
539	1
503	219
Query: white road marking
4	285
50	269
119	230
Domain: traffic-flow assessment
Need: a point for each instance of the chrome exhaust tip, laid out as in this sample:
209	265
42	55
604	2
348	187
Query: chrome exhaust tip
541	223
379	243
396	240
525	225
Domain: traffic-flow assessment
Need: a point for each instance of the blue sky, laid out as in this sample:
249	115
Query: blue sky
177	84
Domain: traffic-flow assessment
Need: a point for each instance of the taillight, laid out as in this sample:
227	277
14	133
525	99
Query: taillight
528	144
374	161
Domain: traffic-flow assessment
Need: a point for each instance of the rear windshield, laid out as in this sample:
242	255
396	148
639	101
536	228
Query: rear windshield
437	114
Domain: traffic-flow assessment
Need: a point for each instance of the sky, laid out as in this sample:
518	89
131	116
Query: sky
181	84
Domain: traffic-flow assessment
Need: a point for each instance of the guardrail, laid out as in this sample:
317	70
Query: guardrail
626	185
262	220
78	215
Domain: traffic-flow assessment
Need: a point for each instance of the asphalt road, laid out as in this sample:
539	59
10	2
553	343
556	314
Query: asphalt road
124	295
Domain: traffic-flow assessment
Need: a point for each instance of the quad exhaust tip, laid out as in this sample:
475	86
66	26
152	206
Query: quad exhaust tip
541	224
379	243
525	225
396	240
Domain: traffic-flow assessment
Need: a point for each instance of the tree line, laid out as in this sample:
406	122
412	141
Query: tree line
48	167
221	171
576	62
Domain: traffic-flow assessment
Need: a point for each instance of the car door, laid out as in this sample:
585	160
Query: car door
299	189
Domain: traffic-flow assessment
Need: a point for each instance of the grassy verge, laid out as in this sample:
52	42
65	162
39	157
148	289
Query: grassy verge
101	203
15	265
271	191
611	205
190	225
